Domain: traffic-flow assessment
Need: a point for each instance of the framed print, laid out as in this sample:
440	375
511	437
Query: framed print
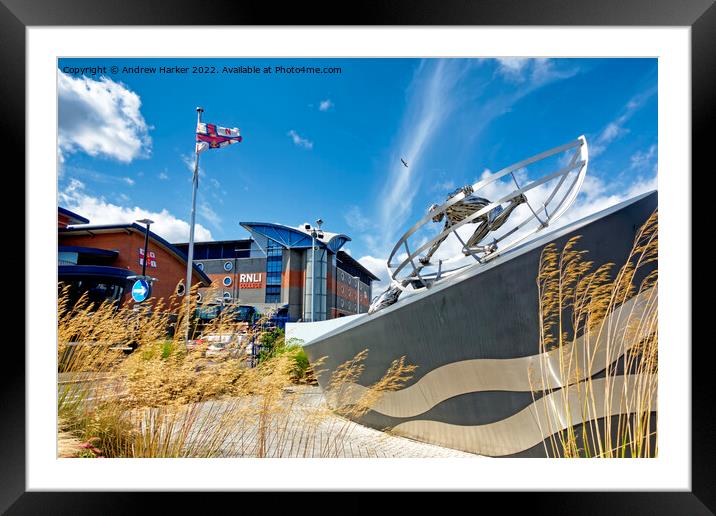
427	239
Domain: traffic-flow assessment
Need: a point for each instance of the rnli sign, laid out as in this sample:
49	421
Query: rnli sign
251	280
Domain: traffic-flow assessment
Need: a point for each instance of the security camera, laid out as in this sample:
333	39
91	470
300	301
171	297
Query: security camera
319	223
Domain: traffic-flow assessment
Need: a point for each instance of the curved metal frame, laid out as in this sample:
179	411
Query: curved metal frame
580	160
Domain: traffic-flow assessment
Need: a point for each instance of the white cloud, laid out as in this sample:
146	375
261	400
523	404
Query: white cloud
99	211
377	267
356	220
615	129
325	105
644	160
206	211
512	67
101	118
97	177
300	141
537	70
163	176
189	162
444	186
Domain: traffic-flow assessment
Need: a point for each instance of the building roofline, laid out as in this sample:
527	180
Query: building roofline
113	228
72	215
332	243
205	242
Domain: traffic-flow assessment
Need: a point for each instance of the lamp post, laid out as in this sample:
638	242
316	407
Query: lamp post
236	274
315	233
148	222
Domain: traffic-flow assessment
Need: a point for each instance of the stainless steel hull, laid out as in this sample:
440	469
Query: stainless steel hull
472	338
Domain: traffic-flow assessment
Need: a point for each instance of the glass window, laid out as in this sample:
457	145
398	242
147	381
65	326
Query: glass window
273	294
67	258
274	264
200	266
227	296
228	266
227	281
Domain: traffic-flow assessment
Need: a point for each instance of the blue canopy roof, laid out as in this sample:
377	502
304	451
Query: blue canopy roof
93	251
294	238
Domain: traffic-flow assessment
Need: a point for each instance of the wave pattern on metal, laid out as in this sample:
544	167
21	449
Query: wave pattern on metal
524	430
480	375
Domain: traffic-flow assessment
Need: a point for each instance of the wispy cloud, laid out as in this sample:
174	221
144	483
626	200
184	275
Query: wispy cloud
430	104
439	89
325	105
644	160
444	186
512	68
163	175
101	118
206	211
76	198
537	70
299	140
616	128
97	177
355	219
209	187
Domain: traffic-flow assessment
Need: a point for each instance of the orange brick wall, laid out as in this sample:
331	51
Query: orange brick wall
169	271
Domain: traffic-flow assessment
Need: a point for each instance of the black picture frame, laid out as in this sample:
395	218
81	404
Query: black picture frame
17	15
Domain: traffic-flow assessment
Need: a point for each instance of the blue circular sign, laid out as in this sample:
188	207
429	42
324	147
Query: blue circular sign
141	290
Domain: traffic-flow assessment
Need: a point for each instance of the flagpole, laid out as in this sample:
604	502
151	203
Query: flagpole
190	257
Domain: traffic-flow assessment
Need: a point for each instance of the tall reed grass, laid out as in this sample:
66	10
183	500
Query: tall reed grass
167	399
598	339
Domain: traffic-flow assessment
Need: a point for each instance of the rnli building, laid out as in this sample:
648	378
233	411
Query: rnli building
276	267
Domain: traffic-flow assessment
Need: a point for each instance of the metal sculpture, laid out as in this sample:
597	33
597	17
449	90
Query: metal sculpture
464	206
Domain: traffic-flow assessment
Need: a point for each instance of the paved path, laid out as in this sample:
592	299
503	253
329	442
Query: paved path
302	434
306	427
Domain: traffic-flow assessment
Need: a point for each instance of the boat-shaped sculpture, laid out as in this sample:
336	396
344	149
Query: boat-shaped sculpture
473	330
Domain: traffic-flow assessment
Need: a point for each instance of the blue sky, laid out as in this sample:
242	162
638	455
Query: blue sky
329	145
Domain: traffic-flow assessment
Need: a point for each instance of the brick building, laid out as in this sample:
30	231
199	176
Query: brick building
101	259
